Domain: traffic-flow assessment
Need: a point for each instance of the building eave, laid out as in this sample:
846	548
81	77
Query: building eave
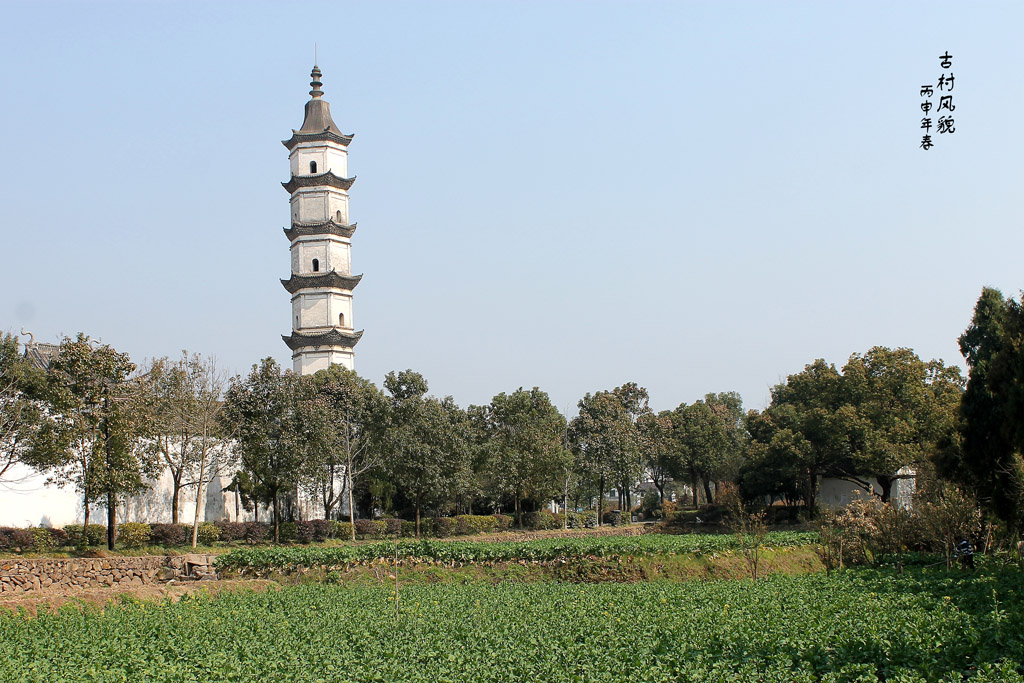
327	179
336	338
298	138
325	228
332	279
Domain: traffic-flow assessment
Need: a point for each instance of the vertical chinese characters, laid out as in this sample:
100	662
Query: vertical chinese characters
945	122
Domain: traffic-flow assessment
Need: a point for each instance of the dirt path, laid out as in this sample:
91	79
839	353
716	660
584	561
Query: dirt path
53	599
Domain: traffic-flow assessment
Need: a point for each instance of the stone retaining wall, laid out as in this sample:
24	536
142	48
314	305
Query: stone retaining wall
24	575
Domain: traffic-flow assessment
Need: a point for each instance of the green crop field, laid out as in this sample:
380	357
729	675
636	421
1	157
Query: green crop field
858	625
459	552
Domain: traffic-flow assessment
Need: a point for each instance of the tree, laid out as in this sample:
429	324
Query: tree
90	437
903	407
264	412
427	440
984	451
527	436
350	412
661	451
20	411
184	401
607	441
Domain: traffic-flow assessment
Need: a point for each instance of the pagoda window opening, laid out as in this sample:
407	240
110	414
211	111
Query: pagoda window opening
316	265
341	320
312	167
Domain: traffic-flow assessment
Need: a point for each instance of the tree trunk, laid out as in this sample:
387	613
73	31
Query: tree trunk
809	493
885	483
111	520
85	520
175	497
417	519
707	492
519	513
661	490
199	498
693	480
565	505
277	518
351	499
600	502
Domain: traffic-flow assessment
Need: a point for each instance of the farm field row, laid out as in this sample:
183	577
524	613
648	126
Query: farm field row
855	626
256	560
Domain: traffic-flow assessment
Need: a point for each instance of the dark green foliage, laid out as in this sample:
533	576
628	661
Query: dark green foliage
94	535
304	532
865	626
583	520
503	522
322	529
231	531
255	532
542	520
168	535
985	450
134	534
613	517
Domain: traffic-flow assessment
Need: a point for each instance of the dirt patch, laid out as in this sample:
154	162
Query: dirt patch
51	600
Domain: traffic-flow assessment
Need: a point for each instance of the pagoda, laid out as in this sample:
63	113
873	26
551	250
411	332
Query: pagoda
320	235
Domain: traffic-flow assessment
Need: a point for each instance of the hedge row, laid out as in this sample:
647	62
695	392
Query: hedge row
137	535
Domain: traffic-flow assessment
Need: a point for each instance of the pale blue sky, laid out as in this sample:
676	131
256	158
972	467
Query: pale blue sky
693	196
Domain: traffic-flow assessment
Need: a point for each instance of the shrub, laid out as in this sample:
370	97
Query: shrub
286	532
22	539
583	520
133	534
503	522
42	541
58	537
255	532
392	526
475	524
342	530
541	520
322	529
231	531
442	526
96	534
408	528
371	528
5	537
613	517
207	533
167	534
668	509
303	532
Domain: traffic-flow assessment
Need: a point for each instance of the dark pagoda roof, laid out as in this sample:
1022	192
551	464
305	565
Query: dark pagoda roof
317	125
328	178
332	279
297	340
325	228
324	136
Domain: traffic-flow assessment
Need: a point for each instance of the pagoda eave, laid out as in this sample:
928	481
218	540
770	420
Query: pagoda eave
337	338
327	179
298	138
333	280
314	229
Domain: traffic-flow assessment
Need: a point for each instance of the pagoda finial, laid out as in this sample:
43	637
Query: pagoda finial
315	74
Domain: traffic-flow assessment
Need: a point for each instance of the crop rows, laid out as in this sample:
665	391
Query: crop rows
463	552
858	626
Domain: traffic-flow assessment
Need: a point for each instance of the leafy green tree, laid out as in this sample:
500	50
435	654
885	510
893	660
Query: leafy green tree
661	450
264	411
984	451
607	441
348	416
94	421
20	409
903	407
427	442
527	436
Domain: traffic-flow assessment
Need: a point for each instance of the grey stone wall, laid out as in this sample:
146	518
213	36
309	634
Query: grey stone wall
27	575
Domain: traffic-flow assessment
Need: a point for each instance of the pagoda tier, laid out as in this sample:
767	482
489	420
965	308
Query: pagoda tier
333	279
318	180
298	138
325	228
297	340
